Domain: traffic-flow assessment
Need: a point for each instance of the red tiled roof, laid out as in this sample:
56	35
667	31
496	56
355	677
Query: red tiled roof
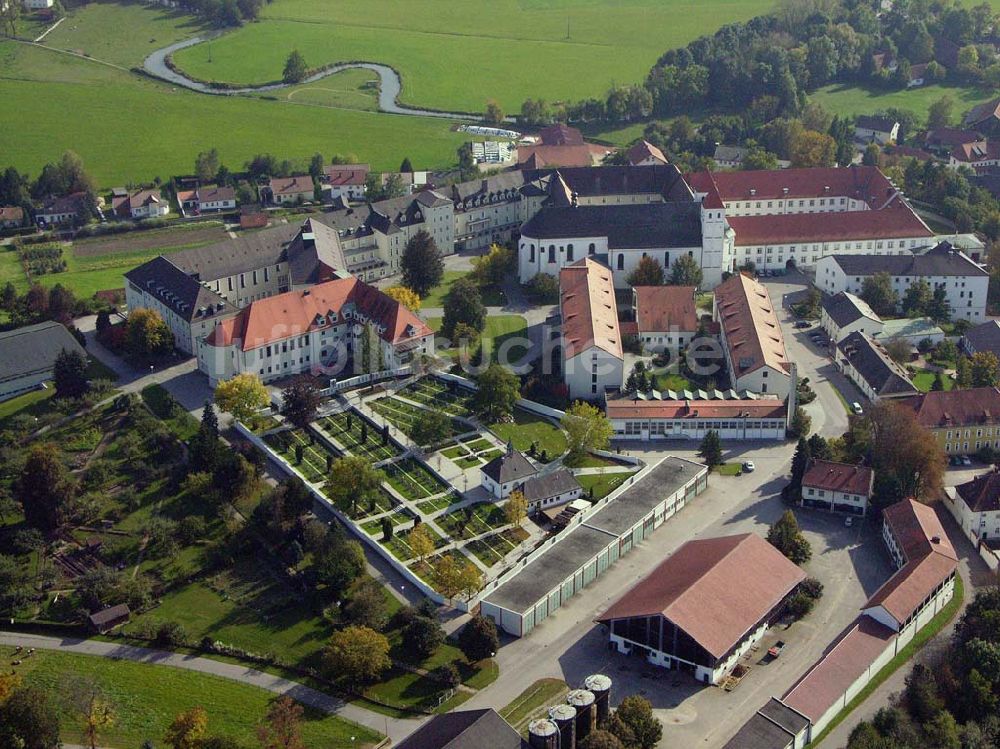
561	135
897	222
536	157
839	477
704	182
11	213
842	664
930	559
346	174
143	197
627	408
864	183
951	136
665	308
956	408
982	494
294	313
715	589
589	312
981	150
751	327
644	150
292	185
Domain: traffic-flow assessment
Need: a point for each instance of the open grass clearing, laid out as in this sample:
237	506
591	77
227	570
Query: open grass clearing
850	100
728	469
602	484
33	403
527	428
430	506
924	379
54	102
672	381
147	697
348	89
498	331
491	296
579	39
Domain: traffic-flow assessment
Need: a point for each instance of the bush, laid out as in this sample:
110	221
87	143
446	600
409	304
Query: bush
799	605
422	636
812	588
543	289
170	635
446	675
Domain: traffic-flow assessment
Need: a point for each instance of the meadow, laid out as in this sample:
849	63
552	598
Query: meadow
145	698
129	129
455	56
854	100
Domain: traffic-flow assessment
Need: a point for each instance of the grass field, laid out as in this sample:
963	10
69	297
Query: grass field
533	700
924	381
854	100
603	484
146	698
527	428
456	56
349	89
499	328
129	129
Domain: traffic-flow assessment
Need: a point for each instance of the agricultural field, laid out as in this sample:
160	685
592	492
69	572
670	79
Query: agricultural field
145	698
54	102
455	57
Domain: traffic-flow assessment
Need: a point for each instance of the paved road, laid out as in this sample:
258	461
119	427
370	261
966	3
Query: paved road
390	84
396	728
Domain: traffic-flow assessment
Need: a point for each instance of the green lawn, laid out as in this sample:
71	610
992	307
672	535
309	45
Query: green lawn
145	698
533	700
499	328
854	100
527	428
923	381
672	381
33	403
348	89
491	297
163	405
728	469
11	270
54	102
456	56
603	484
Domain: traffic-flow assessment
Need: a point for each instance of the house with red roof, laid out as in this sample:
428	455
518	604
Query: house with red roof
837	487
322	329
147	203
690	415
346	181
645	153
976	506
962	421
666	316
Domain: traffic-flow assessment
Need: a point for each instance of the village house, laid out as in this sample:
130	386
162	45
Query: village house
288	190
645	153
208	199
59	211
868	365
837	487
346	181
879	130
146	203
666	317
11	217
844	313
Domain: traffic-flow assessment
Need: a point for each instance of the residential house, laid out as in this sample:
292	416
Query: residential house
346	181
944	140
208	199
464	729
943	266
546	490
506	472
918	75
729	157
984	118
11	217
688	415
666	316
983	337
592	357
879	130
962	421
66	210
868	365
645	153
146	203
982	156
844	313
752	340
321	329
837	487
287	190
28	355
976	506
705	606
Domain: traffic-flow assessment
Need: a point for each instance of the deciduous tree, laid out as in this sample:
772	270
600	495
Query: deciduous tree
917	298
637	713
685	271
301	399
495	267
242	395
479	639
985	366
648	272
420	542
70	374
587	429
29	720
516	508
296	69
188	729
147	336
44	488
422	636
353	480
463	304
357	654
499	390
206	165
431	426
407	297
493	114
877	291
282	728
812	149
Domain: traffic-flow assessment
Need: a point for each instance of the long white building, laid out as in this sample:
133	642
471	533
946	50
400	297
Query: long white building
943	266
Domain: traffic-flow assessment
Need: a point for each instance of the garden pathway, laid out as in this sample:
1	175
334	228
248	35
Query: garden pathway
397	728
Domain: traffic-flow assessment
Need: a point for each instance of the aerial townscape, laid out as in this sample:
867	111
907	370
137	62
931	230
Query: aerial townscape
507	374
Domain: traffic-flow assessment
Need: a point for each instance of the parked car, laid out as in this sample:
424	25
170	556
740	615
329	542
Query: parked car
966	461
748	466
848	521
955	460
856	407
775	650
803	324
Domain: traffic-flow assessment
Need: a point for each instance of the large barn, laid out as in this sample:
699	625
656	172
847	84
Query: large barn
705	605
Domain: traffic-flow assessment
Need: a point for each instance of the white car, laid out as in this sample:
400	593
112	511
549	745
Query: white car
749	467
856	407
848	521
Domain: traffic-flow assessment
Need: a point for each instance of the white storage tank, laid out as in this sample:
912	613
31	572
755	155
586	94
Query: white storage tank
600	686
543	734
586	715
564	716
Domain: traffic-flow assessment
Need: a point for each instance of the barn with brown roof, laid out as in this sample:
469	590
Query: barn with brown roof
705	605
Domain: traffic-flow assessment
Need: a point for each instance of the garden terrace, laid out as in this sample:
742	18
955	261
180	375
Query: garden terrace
527	429
412	480
472	520
347	429
403	416
425	570
379	503
430	506
314	453
399	548
453	399
471	452
374	527
492	549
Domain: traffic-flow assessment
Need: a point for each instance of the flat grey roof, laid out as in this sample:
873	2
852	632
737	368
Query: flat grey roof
583	542
760	733
784	716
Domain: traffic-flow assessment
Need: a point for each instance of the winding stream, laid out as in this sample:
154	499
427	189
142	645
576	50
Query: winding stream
388	91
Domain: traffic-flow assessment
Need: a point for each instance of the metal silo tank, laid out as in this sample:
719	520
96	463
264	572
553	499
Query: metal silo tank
600	685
